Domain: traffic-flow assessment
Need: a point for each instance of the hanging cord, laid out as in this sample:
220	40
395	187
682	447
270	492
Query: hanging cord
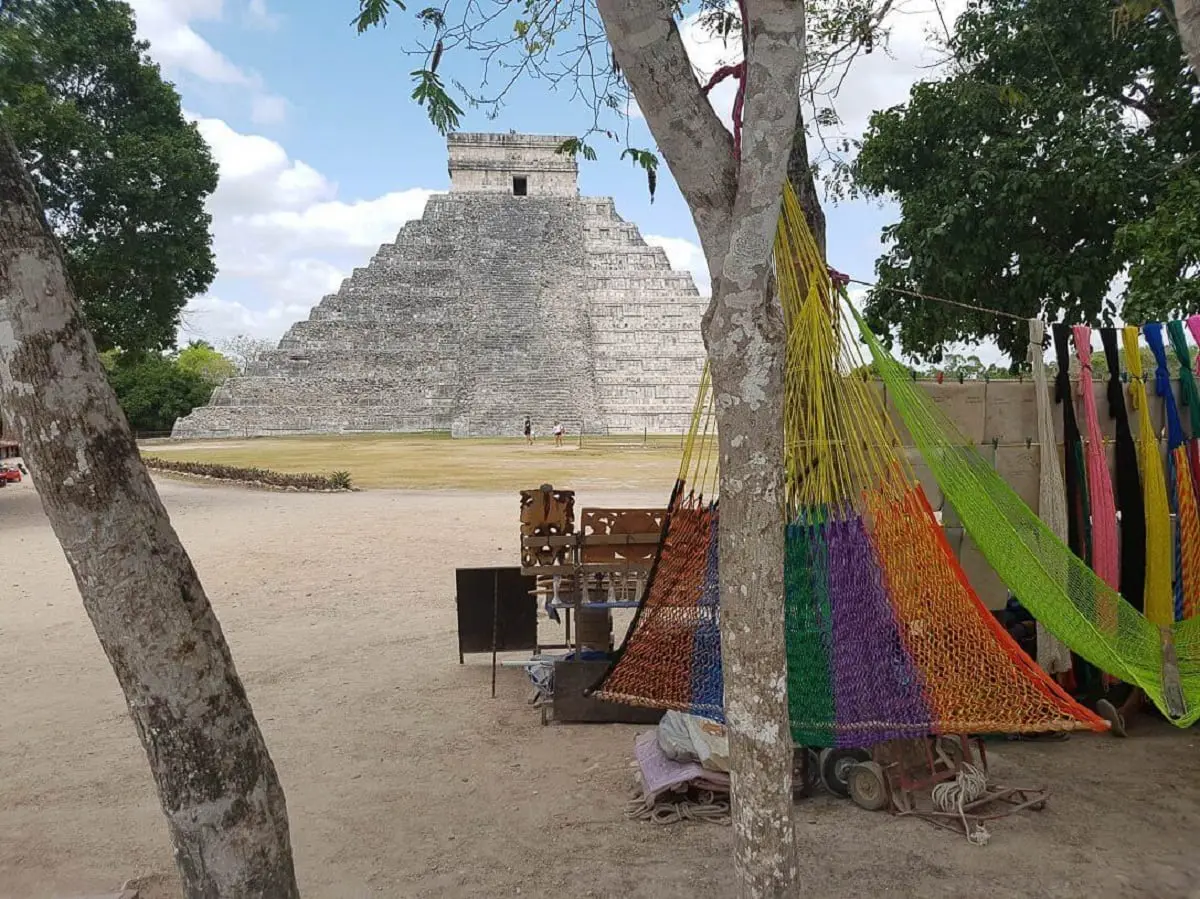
974	307
954	795
1052	654
1158	601
1106	558
737	71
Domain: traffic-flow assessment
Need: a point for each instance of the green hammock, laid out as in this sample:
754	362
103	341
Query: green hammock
1053	584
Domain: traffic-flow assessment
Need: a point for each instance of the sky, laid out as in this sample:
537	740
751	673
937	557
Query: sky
323	156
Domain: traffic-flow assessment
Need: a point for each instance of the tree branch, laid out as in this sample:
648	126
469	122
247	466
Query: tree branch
774	65
647	46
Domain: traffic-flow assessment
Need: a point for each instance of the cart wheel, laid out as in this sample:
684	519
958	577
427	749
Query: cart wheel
952	749
867	786
800	769
805	772
835	767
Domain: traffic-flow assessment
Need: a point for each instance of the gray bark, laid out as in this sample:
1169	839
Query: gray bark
217	785
1187	17
799	172
746	343
745	337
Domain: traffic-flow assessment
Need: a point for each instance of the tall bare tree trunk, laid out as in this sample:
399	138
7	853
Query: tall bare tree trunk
1187	17
736	209
222	798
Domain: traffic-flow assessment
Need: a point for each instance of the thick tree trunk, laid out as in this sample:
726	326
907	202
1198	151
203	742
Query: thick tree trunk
1187	16
736	209
216	782
746	345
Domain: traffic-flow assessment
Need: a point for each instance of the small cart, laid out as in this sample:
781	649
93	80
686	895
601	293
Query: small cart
902	775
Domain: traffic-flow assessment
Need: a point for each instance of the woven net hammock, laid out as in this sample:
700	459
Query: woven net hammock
1057	587
885	636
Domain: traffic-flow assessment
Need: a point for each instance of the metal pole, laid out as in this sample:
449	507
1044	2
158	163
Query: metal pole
495	623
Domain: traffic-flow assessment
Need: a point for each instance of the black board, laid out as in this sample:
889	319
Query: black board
509	594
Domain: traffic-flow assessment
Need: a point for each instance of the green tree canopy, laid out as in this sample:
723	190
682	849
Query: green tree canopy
122	175
1060	151
200	358
154	390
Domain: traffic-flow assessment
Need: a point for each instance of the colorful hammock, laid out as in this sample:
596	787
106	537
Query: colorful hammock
1157	599
1179	476
1054	584
885	636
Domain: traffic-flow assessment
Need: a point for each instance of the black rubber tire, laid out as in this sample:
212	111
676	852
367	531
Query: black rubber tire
806	775
835	768
868	787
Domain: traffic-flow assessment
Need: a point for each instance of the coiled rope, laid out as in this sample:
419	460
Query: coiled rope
954	795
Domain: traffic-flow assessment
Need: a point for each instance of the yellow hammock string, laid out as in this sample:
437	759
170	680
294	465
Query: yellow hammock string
1160	603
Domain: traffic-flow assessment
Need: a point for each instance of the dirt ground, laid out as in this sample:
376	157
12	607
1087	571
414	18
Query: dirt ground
405	779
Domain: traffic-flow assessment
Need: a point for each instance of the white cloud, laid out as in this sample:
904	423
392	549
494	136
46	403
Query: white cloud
363	223
685	256
215	320
175	44
268	109
258	16
282	237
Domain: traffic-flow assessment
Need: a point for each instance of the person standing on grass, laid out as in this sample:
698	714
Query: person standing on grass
558	434
528	431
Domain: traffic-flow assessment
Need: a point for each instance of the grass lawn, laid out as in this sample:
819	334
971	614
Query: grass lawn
421	461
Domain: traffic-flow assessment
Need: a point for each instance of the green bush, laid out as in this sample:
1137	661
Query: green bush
339	480
154	391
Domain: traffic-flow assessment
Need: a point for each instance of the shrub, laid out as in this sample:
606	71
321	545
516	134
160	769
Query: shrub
339	480
154	391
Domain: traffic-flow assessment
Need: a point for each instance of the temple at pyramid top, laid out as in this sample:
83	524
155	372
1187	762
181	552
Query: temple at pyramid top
511	296
517	164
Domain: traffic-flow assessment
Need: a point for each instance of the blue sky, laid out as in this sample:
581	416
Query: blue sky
323	156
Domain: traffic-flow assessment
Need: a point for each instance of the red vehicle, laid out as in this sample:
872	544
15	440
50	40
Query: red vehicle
9	475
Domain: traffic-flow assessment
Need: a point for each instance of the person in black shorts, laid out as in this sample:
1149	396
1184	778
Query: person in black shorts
528	431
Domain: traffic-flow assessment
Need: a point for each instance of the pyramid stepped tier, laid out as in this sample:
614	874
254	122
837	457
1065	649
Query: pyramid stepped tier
494	305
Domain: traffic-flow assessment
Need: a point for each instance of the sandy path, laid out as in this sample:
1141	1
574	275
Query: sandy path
405	779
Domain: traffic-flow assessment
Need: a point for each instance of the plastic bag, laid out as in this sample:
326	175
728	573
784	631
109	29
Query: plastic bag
675	737
709	742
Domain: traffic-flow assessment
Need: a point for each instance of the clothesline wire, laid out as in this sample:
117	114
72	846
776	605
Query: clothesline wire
925	296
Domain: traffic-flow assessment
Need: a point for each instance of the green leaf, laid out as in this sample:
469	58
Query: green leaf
646	160
374	12
444	113
431	16
574	146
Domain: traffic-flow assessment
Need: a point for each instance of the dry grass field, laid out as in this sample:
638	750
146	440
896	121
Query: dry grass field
420	462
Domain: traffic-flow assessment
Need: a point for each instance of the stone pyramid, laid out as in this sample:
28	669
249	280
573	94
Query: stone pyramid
510	296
